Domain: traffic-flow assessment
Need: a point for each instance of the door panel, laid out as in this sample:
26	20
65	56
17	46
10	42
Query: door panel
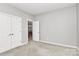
10	31
36	30
5	32
16	31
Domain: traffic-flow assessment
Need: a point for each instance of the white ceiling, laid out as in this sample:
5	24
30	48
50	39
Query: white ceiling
38	8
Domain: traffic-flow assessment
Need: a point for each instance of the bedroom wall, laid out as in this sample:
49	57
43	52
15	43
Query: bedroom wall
78	25
59	26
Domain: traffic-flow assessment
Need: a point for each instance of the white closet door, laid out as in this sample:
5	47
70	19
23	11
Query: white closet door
4	32
36	30
16	31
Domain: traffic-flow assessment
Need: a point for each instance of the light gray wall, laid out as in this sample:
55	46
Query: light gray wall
12	10
78	24
59	26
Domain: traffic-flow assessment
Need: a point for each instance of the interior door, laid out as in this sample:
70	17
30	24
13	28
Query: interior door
36	30
16	31
5	38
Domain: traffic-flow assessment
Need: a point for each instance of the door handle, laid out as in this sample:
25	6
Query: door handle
11	34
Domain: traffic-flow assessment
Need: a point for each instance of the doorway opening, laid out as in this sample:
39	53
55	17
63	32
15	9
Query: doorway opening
30	30
33	30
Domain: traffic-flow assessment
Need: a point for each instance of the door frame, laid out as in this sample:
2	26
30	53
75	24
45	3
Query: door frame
27	27
32	27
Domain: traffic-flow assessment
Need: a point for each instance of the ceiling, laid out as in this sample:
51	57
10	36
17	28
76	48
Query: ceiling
39	8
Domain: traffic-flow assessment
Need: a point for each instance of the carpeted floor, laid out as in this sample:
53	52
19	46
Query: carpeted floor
40	49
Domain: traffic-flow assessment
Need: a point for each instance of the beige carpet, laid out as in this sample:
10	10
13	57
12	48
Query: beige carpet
40	49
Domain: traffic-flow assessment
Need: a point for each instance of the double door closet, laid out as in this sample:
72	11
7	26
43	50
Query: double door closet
10	31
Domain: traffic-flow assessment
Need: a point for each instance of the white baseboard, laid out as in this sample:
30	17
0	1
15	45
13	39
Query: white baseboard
59	44
14	47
